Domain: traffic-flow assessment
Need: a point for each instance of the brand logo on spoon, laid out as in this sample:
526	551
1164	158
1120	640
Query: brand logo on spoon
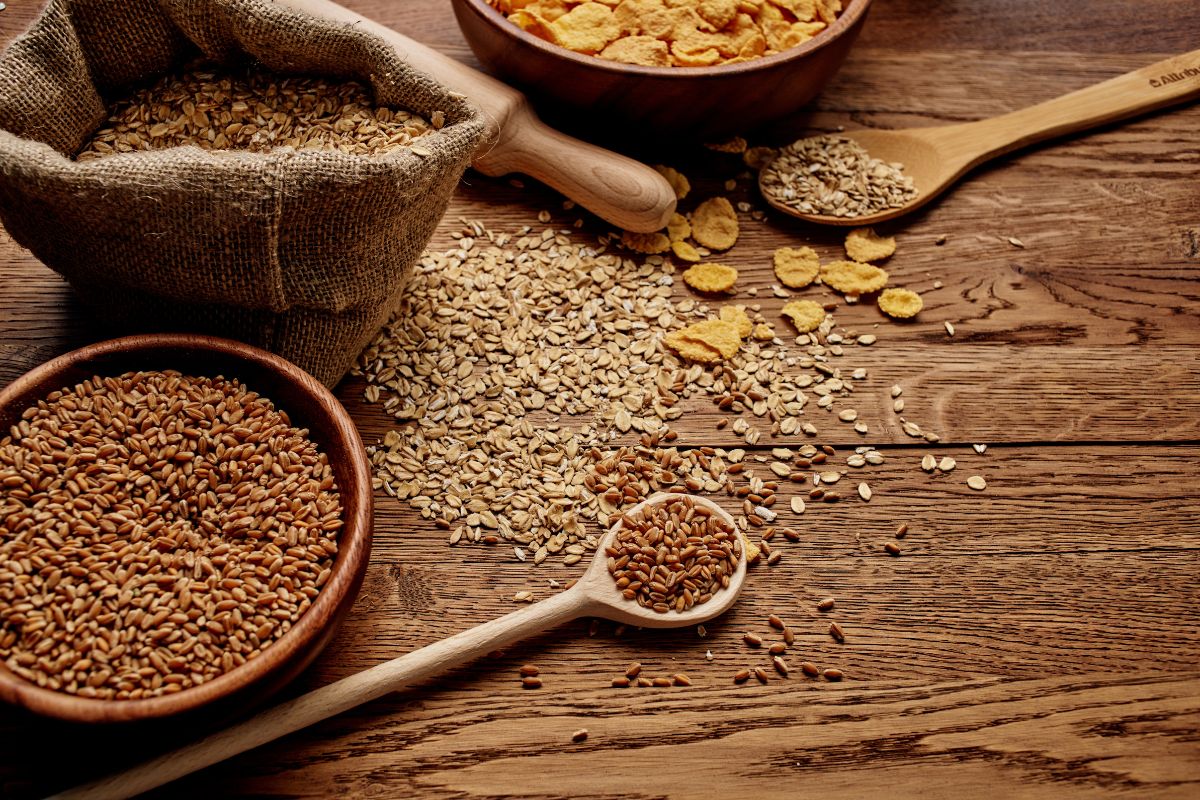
1174	77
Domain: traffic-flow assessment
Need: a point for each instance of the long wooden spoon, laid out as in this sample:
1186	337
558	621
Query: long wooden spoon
618	189
937	157
594	595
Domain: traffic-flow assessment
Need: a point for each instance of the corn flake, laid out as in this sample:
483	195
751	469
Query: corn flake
648	243
685	251
678	228
714	224
645	51
707	342
863	244
711	277
677	179
587	28
853	277
673	33
763	332
758	157
796	267
737	316
806	315
900	303
735	145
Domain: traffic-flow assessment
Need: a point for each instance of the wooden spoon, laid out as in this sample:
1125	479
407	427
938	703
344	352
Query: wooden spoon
618	189
594	595
937	157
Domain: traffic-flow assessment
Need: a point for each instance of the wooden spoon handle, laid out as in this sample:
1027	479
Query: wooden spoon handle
337	697
1165	83
618	189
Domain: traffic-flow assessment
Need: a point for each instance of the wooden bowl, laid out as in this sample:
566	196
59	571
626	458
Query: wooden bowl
308	405
692	102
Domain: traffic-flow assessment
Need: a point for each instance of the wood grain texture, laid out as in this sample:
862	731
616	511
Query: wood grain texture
1036	640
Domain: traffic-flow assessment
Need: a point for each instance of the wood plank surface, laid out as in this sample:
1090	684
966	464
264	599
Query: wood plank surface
1037	639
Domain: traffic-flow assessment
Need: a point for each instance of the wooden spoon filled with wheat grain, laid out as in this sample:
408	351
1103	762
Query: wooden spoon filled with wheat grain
670	561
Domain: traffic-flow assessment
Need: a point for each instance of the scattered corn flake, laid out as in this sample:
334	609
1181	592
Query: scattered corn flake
707	342
649	243
763	332
715	224
685	251
678	228
735	145
900	303
853	277
586	28
863	244
737	315
677	179
645	51
753	551
806	315
711	277
758	157
797	267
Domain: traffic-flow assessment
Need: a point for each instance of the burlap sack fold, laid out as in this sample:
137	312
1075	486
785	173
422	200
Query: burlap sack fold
304	253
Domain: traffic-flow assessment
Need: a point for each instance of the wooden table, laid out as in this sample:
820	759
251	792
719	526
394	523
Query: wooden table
1040	638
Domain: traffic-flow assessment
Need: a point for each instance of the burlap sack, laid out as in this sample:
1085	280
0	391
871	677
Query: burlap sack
304	253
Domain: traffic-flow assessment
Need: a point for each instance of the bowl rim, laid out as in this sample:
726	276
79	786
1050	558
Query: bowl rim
353	551
849	17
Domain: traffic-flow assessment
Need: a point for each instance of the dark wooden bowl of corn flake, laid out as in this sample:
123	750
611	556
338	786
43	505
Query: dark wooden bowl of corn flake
307	405
632	100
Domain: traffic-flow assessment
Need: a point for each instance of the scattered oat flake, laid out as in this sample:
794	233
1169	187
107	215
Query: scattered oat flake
864	491
977	483
946	464
980	448
949	327
1015	242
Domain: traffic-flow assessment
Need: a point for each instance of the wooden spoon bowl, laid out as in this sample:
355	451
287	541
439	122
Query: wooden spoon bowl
936	158
309	405
595	594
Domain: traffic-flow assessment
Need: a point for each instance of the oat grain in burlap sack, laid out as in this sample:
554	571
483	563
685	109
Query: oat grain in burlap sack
302	252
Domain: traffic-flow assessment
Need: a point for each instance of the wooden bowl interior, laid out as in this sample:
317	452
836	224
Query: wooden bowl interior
309	405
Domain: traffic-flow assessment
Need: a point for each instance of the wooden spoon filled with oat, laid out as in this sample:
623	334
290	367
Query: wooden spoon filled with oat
871	176
670	561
